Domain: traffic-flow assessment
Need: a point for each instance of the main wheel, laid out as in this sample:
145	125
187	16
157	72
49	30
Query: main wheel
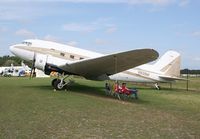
53	82
57	84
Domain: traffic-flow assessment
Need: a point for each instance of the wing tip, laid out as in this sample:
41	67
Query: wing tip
152	53
155	53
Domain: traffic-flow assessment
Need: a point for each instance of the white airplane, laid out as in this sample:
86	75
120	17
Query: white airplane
15	70
126	66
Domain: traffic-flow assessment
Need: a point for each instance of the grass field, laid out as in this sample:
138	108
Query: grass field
31	109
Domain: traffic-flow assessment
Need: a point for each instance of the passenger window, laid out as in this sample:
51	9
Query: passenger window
62	54
27	43
71	56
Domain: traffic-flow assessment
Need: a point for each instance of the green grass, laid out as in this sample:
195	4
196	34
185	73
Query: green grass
31	109
193	84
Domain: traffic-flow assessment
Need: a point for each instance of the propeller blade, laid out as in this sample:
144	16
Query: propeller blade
32	67
33	75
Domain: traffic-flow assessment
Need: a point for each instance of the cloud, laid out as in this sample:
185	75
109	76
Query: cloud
151	2
25	33
51	38
184	3
97	1
72	43
130	2
195	34
3	29
181	3
111	29
197	59
26	10
12	10
77	27
100	42
98	24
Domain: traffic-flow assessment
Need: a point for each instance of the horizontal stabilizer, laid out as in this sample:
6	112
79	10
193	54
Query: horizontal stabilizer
171	78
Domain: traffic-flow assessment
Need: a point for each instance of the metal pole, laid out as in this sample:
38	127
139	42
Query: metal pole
187	78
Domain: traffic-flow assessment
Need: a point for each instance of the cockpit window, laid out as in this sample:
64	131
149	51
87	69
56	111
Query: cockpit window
27	43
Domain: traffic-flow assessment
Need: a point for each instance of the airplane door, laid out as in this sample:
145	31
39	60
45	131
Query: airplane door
40	61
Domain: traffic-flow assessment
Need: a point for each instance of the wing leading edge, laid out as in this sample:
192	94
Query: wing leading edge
102	67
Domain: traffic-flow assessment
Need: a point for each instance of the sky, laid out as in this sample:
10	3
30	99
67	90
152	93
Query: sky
106	26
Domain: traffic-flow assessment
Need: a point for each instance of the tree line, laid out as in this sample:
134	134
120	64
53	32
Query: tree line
190	71
7	60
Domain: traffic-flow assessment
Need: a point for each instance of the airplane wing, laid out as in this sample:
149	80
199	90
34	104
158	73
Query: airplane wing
101	67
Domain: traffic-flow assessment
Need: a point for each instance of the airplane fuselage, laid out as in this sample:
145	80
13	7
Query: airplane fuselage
49	56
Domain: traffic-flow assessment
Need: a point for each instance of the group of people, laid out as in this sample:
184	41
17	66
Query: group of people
122	89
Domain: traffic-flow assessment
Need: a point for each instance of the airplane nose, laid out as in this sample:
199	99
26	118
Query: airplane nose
12	49
20	51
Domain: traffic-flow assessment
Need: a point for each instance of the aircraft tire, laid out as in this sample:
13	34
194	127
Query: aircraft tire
57	85
53	82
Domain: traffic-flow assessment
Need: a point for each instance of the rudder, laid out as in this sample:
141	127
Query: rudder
169	63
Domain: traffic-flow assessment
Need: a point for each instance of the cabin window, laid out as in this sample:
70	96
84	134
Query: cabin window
62	54
27	43
72	56
81	58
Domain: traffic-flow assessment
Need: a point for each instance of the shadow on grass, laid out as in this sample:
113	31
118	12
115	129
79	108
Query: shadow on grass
99	92
86	89
162	89
40	87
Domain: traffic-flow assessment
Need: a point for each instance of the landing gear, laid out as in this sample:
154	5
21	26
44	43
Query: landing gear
60	84
53	81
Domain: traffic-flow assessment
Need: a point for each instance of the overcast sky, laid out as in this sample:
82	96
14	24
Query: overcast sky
106	26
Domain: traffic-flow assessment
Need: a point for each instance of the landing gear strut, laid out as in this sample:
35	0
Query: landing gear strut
60	84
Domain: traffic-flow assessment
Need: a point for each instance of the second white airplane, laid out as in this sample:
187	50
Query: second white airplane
126	66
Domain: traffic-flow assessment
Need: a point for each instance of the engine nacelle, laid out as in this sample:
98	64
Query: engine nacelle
47	63
40	61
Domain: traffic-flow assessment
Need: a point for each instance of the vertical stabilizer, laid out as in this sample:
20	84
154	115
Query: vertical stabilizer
169	64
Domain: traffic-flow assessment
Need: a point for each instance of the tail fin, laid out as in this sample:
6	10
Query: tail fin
169	64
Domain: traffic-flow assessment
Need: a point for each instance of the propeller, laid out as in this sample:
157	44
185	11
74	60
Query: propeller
33	66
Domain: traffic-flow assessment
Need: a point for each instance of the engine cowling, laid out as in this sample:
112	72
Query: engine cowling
40	61
47	63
